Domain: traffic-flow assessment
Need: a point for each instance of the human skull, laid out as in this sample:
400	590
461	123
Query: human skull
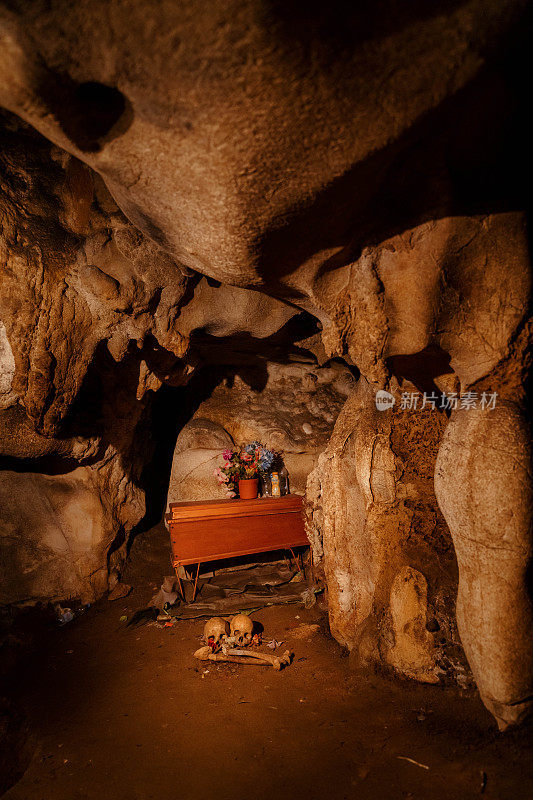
215	628
241	629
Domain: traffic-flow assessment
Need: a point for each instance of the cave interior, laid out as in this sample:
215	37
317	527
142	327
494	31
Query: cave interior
298	224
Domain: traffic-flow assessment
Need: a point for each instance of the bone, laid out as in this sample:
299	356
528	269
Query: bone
205	654
245	657
278	662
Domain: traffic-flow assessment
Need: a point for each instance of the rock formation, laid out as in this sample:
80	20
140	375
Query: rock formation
291	407
483	484
181	193
83	300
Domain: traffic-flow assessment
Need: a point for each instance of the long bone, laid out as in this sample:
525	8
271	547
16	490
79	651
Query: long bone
205	654
244	657
277	661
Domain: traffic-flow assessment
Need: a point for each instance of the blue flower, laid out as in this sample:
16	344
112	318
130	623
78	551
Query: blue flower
266	460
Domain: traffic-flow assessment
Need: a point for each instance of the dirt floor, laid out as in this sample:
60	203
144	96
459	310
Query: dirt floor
122	713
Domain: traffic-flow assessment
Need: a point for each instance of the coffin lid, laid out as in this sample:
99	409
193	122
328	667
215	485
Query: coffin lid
213	509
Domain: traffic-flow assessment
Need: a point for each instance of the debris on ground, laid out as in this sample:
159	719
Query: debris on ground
143	616
167	594
120	591
242	590
412	761
273	644
304	631
64	615
308	596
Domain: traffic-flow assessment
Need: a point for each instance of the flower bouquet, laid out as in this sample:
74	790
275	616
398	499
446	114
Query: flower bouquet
243	465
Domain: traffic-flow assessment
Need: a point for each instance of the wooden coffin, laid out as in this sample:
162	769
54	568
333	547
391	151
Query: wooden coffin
211	530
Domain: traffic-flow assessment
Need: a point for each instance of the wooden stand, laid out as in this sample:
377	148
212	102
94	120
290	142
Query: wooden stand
213	530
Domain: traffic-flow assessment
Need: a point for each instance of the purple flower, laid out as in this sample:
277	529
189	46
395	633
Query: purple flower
227	454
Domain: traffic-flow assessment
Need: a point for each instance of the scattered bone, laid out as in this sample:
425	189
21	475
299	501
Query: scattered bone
206	654
245	657
278	662
412	761
228	643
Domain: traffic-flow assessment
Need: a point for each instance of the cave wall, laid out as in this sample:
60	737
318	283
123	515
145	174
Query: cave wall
95	318
381	540
83	298
469	332
290	408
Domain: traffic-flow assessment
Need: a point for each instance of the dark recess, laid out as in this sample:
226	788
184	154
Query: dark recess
89	113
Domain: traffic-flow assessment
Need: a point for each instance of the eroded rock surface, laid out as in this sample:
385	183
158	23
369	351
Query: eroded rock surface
289	407
219	126
293	408
374	516
413	652
54	537
89	308
483	484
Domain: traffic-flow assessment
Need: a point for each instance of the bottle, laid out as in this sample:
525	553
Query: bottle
284	480
276	491
266	489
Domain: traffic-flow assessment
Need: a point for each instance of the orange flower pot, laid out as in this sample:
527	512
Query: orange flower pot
248	488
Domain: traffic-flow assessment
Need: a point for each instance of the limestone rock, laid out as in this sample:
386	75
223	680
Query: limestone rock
276	408
293	409
318	94
86	343
352	550
482	482
413	652
65	291
335	158
192	476
434	288
19	439
200	433
7	369
54	537
372	508
225	310
83	297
